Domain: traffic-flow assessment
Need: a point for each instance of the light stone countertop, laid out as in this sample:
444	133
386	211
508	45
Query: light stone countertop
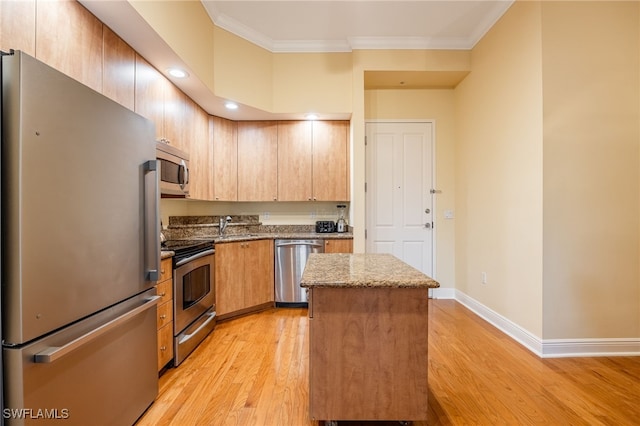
362	270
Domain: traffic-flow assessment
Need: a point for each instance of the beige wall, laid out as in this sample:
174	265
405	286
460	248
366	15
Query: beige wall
279	213
499	170
591	166
312	82
436	105
243	71
385	60
180	22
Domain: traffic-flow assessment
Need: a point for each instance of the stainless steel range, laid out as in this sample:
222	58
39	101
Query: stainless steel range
194	312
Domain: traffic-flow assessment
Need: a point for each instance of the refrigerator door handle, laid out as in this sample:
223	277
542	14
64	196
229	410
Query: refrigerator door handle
152	220
52	354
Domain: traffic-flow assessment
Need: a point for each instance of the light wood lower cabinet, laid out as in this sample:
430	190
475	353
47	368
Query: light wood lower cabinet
243	277
164	289
338	246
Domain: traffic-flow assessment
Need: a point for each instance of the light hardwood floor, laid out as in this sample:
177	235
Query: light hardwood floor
253	371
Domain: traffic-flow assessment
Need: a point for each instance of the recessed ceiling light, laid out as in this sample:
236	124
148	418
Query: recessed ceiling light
178	73
312	116
231	105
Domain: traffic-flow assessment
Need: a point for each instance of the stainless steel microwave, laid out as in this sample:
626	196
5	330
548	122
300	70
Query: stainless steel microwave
174	170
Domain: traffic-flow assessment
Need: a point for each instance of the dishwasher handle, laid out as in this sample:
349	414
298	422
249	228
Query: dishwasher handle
299	243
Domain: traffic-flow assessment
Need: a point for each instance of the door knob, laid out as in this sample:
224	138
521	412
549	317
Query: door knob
427	225
427	211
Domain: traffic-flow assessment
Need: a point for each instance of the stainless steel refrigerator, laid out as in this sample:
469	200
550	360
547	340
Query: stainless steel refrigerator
80	252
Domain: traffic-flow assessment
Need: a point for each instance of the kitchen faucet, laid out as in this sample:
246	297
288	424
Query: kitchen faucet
223	224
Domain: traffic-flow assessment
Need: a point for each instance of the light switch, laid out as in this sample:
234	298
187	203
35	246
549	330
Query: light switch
448	214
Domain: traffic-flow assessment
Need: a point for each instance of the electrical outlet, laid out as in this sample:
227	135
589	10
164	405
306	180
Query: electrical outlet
484	278
313	215
265	215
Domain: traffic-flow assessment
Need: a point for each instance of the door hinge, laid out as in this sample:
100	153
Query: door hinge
365	141
365	187
365	234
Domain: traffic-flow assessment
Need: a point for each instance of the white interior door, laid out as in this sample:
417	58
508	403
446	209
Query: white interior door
399	178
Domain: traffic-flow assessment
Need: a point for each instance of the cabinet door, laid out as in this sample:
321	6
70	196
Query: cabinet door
258	272
149	94
119	77
225	159
294	161
338	246
165	345
331	160
177	117
229	277
257	161
18	26
69	38
200	155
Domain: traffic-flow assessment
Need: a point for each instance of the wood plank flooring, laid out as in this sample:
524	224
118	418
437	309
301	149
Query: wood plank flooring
254	371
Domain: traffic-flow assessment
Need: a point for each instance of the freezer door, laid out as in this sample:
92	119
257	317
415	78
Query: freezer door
73	200
100	371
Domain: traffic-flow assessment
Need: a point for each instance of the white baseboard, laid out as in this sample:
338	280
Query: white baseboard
549	348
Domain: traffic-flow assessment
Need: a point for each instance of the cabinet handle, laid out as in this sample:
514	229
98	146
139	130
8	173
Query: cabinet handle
163	316
163	294
163	348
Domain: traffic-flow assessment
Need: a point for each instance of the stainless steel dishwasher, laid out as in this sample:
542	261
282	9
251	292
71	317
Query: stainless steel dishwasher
291	258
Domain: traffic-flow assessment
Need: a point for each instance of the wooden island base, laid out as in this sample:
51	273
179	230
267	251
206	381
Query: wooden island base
368	353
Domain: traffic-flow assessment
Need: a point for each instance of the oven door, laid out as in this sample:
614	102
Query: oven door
193	289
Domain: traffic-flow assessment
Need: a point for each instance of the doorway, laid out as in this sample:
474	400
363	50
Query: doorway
399	182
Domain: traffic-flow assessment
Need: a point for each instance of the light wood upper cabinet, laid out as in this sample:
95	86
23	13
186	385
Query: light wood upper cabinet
331	160
313	161
69	38
200	153
18	26
225	159
176	122
295	153
119	70
157	99
149	94
257	161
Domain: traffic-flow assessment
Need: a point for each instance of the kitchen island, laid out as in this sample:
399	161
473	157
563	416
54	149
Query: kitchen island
368	331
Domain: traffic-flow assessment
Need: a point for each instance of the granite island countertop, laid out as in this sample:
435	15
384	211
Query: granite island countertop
362	270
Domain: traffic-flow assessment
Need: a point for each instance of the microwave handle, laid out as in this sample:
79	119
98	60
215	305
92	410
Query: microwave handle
152	220
185	174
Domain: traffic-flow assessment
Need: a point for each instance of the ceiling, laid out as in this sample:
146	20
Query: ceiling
319	26
341	26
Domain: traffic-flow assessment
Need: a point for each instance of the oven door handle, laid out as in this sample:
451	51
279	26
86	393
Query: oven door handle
195	256
211	315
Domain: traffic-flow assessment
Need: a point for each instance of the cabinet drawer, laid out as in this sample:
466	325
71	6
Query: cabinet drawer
165	291
166	271
165	345
165	314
